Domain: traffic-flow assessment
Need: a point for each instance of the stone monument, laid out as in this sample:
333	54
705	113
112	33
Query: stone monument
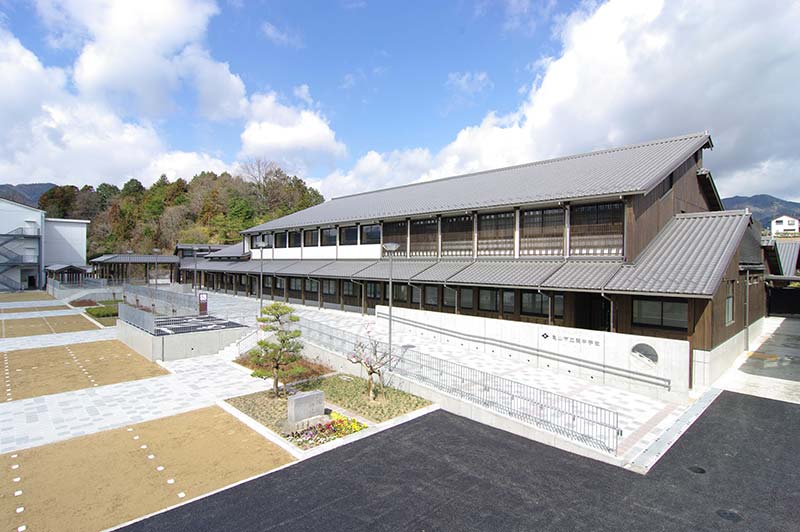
305	409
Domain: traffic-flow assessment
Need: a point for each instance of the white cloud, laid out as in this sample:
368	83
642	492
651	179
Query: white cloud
634	70
221	95
50	134
349	81
469	82
281	37
181	164
303	93
287	134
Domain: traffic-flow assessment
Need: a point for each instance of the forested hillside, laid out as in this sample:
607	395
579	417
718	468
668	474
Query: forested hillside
210	208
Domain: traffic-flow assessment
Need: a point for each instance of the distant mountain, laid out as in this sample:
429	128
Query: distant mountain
764	207
27	193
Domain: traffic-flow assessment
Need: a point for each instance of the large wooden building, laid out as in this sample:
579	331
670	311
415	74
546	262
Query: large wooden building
631	239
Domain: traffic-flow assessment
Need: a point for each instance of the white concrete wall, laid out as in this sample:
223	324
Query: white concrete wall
600	357
65	241
13	215
366	251
710	365
177	346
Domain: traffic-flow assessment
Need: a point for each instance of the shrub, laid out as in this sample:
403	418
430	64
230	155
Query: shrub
103	312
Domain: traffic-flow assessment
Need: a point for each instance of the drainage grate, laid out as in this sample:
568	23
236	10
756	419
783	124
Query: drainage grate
730	515
696	469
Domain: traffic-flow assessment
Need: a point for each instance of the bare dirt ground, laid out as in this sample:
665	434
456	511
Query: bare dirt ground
32	309
104	479
29	295
63	368
36	326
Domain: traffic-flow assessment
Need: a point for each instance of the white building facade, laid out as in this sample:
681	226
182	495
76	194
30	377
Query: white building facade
784	224
29	242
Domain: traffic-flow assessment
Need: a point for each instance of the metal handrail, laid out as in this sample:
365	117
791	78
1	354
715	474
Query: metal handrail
577	420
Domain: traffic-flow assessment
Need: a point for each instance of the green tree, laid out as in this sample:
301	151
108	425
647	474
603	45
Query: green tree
132	188
59	201
283	347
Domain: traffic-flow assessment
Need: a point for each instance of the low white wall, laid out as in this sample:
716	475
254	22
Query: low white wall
177	346
601	357
69	294
710	365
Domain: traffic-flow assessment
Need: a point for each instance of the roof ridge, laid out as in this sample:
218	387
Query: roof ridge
533	163
712	214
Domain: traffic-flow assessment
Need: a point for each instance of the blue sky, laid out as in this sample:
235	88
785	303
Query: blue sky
355	95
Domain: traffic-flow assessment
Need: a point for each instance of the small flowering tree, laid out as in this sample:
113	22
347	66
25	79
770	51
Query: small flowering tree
373	358
283	347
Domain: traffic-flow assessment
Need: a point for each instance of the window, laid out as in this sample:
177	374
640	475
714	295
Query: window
348	288
729	290
329	287
329	236
457	235
466	297
280	240
311	238
424	237
396	232
778	222
295	284
541	232
400	292
496	233
255	240
373	290
432	296
269	240
508	302
661	313
449	299
371	234
348	236
279	283
294	239
536	304
597	229
312	286
415	295
487	299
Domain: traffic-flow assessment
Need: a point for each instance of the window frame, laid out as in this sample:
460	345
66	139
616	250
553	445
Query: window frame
295	281
449	290
348	289
326	283
282	235
431	289
470	299
661	302
480	300
730	302
343	230
314	234
325	232
374	290
363	229
295	239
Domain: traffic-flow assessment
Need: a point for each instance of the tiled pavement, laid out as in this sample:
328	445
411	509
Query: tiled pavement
28	304
47	340
39	314
194	383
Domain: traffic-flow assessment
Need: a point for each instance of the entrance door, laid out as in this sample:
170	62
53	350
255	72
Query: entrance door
592	311
31	282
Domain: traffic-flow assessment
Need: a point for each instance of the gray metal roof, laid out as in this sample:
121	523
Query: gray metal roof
631	169
440	272
134	258
234	250
689	256
305	267
788	251
582	275
513	273
60	267
402	270
343	269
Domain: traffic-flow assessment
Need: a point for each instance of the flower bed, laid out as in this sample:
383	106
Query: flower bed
338	427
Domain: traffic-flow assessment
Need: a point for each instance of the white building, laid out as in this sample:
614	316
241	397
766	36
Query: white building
784	224
29	242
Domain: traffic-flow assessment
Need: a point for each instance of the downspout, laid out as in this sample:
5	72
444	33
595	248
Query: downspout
363	295
612	324
747	311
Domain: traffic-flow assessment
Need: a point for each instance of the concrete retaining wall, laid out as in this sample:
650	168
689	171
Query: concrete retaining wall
459	407
601	357
710	365
177	346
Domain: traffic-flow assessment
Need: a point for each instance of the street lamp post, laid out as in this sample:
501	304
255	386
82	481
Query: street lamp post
390	247
195	249
156	251
128	270
260	247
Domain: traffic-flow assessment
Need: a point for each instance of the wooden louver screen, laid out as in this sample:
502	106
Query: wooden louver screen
457	236
396	232
597	229
541	232
496	234
424	238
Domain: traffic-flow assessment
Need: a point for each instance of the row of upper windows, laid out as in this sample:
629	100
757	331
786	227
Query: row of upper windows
585	220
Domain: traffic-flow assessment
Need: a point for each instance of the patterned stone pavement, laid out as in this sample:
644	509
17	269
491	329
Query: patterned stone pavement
47	340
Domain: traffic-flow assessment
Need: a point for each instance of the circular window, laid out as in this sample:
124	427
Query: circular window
645	351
